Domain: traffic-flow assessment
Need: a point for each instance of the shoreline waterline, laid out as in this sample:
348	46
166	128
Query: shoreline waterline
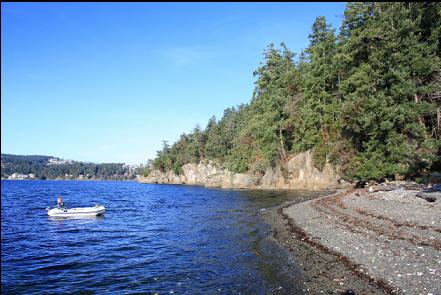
343	241
188	239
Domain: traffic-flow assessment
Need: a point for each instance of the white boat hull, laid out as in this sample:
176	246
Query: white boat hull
77	212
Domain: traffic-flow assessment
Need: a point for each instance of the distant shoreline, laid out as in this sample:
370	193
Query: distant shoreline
35	167
135	180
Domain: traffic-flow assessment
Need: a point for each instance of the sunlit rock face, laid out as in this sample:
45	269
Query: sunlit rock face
300	174
303	173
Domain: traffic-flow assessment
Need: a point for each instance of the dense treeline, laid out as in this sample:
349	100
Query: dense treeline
367	99
41	168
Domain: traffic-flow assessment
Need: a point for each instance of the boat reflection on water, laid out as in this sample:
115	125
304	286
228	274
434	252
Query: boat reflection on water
62	218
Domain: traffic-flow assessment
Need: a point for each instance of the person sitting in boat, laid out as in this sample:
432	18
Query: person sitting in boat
60	202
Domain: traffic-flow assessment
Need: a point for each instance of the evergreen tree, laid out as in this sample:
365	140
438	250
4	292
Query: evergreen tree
368	99
318	126
390	70
264	138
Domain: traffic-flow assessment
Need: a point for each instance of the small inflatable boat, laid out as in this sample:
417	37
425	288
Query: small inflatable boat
97	210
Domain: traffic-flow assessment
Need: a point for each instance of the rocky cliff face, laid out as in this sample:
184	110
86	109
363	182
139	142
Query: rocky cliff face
301	174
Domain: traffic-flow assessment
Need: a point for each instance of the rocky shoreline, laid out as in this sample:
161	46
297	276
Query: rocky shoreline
299	173
381	240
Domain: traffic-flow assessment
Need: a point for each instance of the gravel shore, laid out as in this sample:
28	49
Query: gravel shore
365	242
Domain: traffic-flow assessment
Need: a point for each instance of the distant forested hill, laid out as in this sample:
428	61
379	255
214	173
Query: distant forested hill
367	98
47	167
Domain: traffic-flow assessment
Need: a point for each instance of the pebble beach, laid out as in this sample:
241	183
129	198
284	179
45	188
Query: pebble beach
378	240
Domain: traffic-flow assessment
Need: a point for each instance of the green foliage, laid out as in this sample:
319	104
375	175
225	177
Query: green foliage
388	87
41	168
265	137
368	99
319	126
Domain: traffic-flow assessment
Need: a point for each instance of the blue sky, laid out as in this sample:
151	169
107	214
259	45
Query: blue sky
108	82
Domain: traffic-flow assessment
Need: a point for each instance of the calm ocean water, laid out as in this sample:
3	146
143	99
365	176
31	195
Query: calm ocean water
164	239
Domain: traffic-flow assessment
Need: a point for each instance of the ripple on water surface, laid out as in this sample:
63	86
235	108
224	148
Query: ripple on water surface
153	238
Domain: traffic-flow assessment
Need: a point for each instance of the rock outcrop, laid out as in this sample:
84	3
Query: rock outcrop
301	174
